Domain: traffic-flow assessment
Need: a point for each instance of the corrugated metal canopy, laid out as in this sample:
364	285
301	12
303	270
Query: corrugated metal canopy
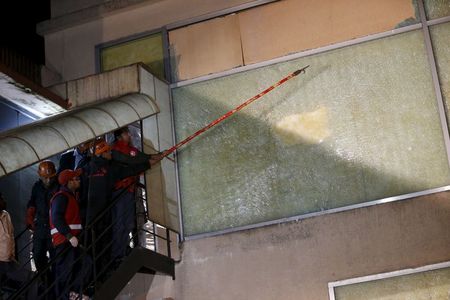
26	145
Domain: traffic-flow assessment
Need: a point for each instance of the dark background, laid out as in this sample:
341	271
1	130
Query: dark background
18	21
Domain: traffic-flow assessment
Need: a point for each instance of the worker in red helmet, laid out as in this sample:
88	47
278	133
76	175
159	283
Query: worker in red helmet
38	218
65	225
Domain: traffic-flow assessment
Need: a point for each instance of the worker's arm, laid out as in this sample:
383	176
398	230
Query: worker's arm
58	210
123	158
119	171
31	209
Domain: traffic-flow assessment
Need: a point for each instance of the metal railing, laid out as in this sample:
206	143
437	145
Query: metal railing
20	64
94	251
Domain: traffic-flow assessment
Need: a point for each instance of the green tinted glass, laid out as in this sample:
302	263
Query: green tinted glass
437	8
148	50
362	124
420	286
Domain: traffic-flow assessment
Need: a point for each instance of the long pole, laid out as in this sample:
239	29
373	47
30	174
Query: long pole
233	111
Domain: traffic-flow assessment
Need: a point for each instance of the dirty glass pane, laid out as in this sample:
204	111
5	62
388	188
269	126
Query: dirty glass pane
440	35
437	8
362	124
420	286
148	50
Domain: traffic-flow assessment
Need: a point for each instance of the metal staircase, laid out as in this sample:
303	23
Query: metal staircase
106	280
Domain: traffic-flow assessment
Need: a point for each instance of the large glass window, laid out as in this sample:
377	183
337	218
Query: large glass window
148	50
362	124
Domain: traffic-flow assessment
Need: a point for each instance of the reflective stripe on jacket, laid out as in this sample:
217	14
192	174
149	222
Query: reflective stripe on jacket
71	217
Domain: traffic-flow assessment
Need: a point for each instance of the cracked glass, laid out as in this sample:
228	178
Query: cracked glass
435	9
362	124
419	286
440	38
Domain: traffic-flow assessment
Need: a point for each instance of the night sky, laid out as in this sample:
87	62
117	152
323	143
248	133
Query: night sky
18	26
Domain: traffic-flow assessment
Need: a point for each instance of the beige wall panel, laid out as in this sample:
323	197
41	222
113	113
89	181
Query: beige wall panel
289	26
207	47
296	260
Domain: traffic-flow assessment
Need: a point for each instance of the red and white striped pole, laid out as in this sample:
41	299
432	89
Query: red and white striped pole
233	111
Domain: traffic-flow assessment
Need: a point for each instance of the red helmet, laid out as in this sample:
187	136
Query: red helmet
101	146
46	169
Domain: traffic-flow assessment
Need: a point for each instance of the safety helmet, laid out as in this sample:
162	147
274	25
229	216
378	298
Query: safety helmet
101	146
46	169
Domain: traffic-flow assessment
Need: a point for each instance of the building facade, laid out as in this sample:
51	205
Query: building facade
342	172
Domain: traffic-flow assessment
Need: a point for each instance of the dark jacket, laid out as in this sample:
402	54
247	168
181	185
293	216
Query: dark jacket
67	161
125	153
103	174
40	200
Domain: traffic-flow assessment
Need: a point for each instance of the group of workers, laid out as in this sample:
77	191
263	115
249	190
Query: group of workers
65	201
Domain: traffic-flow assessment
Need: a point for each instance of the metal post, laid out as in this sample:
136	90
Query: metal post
94	260
169	253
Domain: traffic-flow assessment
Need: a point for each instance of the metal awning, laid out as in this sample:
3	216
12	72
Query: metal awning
26	145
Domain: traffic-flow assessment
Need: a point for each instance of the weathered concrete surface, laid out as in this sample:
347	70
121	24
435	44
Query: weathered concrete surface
296	260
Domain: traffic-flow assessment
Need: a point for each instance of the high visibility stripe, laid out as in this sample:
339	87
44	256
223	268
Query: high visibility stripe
72	226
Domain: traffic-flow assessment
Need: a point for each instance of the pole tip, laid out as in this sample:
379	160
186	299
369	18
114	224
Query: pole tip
302	70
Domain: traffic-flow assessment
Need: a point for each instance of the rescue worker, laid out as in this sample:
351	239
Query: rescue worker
78	158
104	172
65	224
123	213
38	217
75	158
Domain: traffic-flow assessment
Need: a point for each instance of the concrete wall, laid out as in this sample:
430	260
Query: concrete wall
297	260
62	7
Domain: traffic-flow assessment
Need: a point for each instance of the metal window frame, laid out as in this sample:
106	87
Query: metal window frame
422	24
335	284
130	38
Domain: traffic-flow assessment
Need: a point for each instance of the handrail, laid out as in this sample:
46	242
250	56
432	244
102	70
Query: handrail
107	246
53	260
85	250
20	234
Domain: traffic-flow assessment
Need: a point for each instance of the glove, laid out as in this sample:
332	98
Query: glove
31	212
74	241
156	158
